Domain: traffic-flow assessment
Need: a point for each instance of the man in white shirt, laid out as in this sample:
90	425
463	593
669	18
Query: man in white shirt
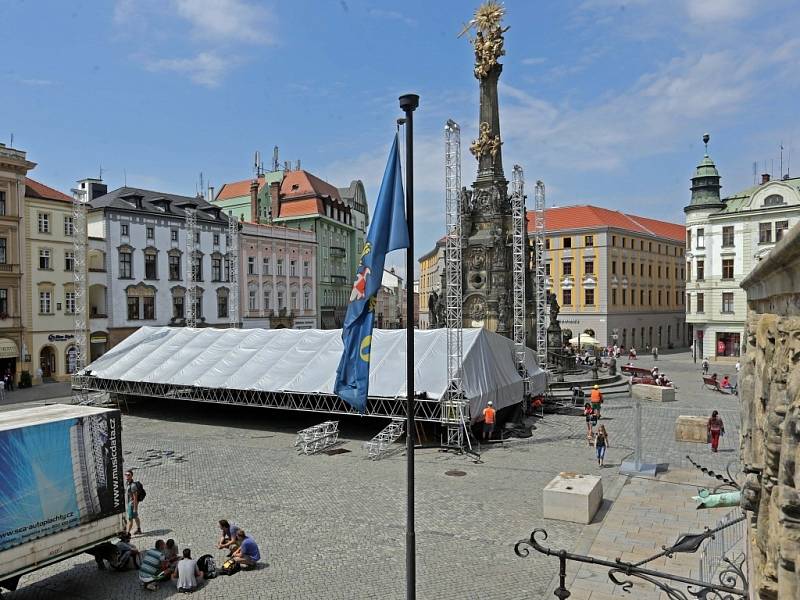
187	573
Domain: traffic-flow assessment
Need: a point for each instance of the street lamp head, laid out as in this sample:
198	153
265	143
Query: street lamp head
409	102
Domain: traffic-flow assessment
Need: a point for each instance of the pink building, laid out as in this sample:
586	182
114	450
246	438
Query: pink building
278	277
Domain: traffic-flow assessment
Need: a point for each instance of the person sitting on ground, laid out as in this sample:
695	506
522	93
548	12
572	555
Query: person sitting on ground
121	556
187	575
154	567
654	372
714	377
228	539
247	554
726	383
171	553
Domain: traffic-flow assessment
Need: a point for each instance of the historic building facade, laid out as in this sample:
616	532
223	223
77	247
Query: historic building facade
14	354
278	276
49	277
138	263
725	239
431	265
616	276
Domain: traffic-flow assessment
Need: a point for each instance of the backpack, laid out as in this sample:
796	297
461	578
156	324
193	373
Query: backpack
208	566
229	567
140	493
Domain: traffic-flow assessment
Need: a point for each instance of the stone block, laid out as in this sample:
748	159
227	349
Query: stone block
653	393
572	497
691	429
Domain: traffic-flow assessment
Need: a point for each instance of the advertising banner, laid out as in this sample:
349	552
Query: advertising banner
59	474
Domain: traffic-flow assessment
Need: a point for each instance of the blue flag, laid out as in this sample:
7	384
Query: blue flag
387	232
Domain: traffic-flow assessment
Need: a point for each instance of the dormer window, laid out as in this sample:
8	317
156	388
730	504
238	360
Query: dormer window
295	186
774	200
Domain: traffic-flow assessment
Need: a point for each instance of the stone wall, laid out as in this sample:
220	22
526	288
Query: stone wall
770	435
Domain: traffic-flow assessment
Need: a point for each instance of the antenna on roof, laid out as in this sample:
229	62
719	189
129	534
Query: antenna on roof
755	172
297	166
125	177
101	173
11	145
202	186
781	173
256	161
276	165
287	165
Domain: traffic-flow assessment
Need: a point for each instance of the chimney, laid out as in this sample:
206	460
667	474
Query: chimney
254	201
764	178
275	198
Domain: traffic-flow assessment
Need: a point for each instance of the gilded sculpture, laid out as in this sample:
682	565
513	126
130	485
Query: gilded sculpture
488	41
486	142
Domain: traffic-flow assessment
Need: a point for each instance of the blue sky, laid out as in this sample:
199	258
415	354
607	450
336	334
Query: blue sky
604	100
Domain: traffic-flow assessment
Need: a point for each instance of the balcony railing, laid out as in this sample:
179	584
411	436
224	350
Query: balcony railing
338	252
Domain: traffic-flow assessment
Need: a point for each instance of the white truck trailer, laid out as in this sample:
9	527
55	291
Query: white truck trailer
61	485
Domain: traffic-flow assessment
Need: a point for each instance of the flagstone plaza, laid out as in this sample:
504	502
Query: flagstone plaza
332	526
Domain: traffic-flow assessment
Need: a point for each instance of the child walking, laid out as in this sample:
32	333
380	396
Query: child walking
600	444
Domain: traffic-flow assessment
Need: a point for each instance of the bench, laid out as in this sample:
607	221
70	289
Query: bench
635	371
713	384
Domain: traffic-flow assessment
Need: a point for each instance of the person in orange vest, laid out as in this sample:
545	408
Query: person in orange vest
597	399
488	420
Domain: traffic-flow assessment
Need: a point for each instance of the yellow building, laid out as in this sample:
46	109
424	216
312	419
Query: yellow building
430	281
49	279
13	353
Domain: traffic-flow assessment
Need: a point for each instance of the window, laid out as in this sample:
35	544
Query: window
727	236
613	240
773	200
764	233
624	297
688	271
780	227
267	299
566	267
547	269
547	243
658	270
294	305
623	242
567	242
613	296
688	238
306	269
641	269
728	344
701	239
3	301
588	240
682	274
123	229
701	270
307	300
151	233
44	258
641	297
280	266
252	299
280	300
69	226
688	303
251	265
198	266
216	268
173	235
196	237
659	297
265	266
624	268
45	303
69	260
222	304
69	302
588	267
292	268
125	265
727	268
198	305
2	203
667	273
177	306
613	267
44	223
3	250
174	267
567	296
133	308
677	297
649	297
727	302
216	243
701	304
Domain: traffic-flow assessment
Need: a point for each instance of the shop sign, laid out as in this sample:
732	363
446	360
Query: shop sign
60	337
98	338
8	348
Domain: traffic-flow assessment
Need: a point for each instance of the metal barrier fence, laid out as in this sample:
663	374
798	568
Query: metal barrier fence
721	545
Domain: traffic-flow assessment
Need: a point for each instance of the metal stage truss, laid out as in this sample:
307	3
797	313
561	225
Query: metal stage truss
81	289
426	409
518	272
382	442
455	409
539	282
190	303
233	270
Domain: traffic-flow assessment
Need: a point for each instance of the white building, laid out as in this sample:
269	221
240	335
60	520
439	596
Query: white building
138	263
725	238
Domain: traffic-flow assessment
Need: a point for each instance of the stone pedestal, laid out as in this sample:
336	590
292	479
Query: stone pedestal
572	497
653	393
691	429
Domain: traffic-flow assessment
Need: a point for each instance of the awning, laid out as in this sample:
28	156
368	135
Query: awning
8	348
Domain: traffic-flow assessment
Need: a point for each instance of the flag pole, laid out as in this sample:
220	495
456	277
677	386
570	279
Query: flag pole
409	103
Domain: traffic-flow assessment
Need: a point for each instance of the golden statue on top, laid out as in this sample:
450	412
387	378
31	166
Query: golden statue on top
488	40
486	142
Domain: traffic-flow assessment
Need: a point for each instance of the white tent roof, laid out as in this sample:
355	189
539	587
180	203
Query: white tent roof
305	361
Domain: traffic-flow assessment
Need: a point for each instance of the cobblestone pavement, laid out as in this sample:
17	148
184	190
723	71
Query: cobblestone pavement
333	526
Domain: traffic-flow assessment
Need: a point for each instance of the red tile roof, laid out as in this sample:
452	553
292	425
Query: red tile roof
34	189
586	216
302	183
238	188
301	208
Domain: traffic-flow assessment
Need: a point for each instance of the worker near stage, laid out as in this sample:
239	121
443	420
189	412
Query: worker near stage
489	414
597	399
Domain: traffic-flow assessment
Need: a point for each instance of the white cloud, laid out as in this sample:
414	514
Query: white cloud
206	68
392	15
226	20
36	82
718	11
535	60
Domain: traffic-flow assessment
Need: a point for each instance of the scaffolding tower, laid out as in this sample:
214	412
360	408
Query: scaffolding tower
518	272
455	410
79	243
540	285
233	270
190	303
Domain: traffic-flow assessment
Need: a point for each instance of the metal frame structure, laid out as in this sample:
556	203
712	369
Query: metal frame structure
233	270
79	244
425	409
318	437
539	278
190	307
378	446
453	413
518	272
